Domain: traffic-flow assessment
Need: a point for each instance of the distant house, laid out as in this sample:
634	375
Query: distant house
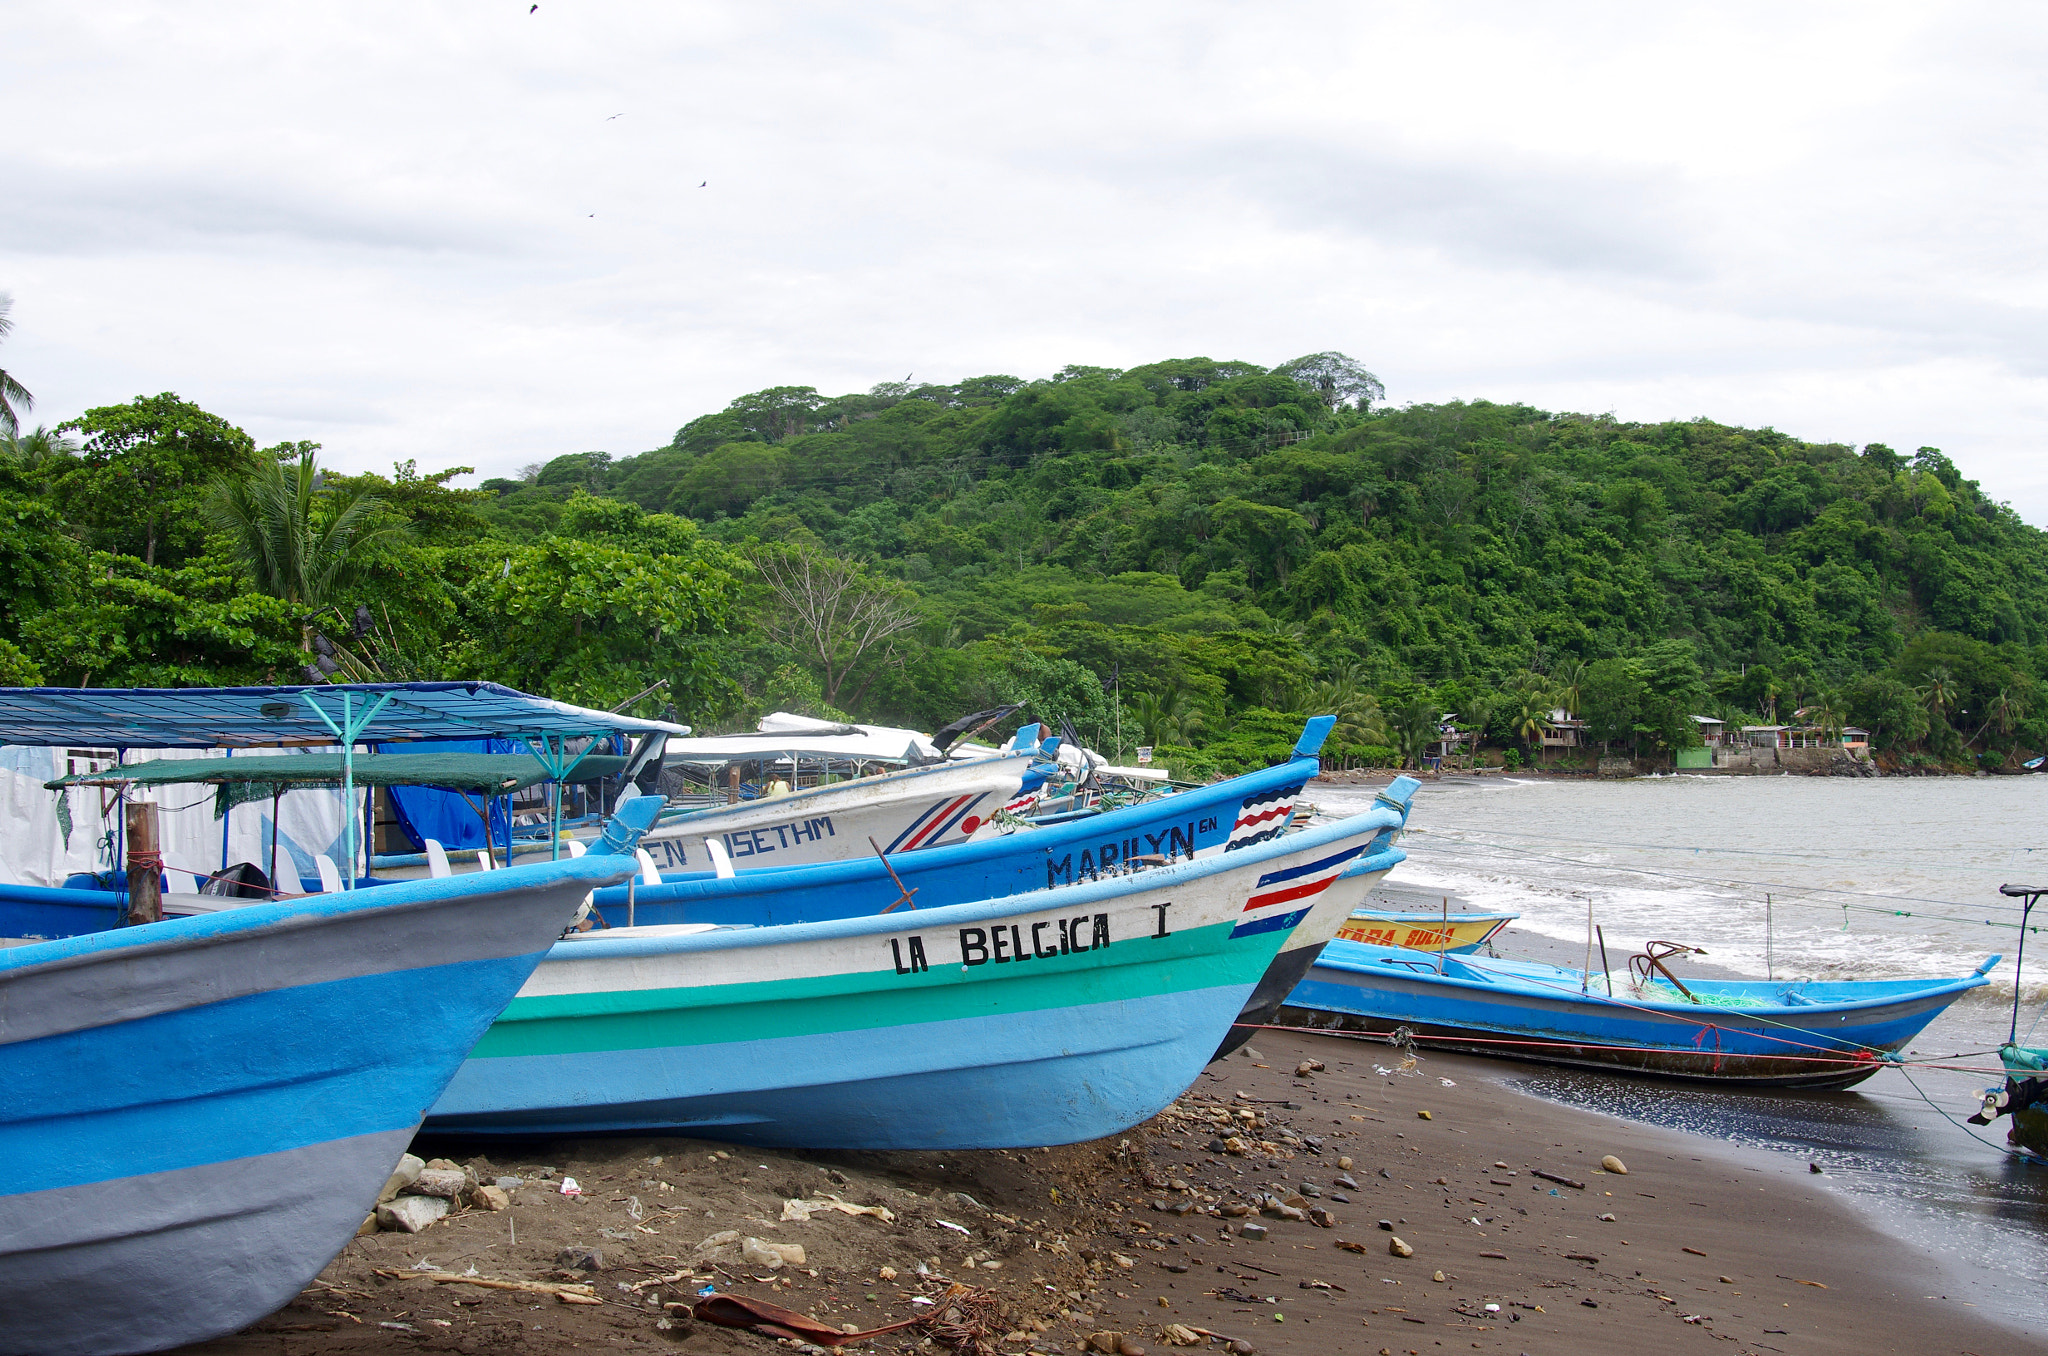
1451	740
1805	737
1713	733
1563	730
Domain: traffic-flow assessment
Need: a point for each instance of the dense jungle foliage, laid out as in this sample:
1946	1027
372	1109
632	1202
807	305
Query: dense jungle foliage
1190	554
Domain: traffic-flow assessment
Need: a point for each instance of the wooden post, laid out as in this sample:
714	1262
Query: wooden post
732	784
145	865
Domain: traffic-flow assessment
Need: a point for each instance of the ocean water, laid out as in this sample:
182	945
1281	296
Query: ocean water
1825	878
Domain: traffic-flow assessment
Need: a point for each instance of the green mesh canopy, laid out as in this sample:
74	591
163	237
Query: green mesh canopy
492	773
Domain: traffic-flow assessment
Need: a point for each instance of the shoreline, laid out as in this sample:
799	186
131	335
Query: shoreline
1091	1238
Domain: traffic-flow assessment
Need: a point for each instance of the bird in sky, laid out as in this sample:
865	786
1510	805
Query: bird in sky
614	117
534	9
705	184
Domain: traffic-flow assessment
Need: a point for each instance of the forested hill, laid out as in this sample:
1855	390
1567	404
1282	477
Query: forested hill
1240	537
1192	552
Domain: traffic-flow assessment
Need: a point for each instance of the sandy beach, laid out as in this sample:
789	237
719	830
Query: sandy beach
1705	1244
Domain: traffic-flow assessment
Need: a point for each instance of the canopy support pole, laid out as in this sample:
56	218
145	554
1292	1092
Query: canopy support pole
552	753
346	732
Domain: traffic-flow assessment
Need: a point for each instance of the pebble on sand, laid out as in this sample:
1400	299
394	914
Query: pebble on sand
1424	1116
447	1183
1399	1248
1614	1165
409	1167
410	1214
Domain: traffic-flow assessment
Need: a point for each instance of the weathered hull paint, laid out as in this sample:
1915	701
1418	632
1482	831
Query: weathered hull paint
1049	1017
908	811
198	1113
1299	952
1824	1036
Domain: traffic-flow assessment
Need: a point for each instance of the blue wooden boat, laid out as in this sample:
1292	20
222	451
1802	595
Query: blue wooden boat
198	1113
1043	1017
1755	1033
1229	816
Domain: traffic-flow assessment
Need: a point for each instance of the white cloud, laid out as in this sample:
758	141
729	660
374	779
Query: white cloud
417	229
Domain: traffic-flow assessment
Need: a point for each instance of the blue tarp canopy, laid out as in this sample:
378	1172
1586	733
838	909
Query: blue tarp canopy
248	717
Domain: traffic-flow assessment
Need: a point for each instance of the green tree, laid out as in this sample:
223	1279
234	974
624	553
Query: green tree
298	543
1886	707
145	470
41	450
12	392
1611	696
594	622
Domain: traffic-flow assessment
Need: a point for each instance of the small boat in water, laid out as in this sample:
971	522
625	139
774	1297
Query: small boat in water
200	1112
1755	1033
1045	1016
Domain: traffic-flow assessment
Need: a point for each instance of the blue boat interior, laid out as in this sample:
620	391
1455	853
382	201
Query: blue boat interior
1561	982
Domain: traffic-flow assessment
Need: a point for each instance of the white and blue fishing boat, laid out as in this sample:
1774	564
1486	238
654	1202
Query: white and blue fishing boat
198	1113
1754	1033
1044	1016
1227	816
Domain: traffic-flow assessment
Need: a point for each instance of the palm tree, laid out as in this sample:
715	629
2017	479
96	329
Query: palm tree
297	542
1564	682
1170	717
1534	701
12	392
1414	727
40	448
1359	720
1939	691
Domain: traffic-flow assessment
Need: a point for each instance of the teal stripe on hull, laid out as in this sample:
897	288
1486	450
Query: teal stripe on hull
824	1005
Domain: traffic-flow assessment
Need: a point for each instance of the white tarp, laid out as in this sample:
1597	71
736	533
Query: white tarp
34	849
783	734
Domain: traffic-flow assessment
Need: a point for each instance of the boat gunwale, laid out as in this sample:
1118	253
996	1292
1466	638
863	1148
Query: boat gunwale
188	932
887	781
1930	988
1080	894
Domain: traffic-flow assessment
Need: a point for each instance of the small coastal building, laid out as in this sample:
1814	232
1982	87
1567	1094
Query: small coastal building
1713	738
1563	730
1804	737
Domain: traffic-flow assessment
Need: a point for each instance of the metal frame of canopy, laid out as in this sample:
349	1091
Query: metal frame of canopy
251	717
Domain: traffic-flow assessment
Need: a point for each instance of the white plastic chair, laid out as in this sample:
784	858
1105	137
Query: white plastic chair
720	862
648	875
437	860
484	862
572	848
330	874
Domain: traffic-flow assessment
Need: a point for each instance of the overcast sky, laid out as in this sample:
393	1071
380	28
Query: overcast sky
472	234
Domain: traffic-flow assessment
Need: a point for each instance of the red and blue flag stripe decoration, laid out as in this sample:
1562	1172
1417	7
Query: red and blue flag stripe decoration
1296	885
939	820
1262	816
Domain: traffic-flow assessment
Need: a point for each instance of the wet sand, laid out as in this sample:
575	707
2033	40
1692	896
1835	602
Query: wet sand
1709	1247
